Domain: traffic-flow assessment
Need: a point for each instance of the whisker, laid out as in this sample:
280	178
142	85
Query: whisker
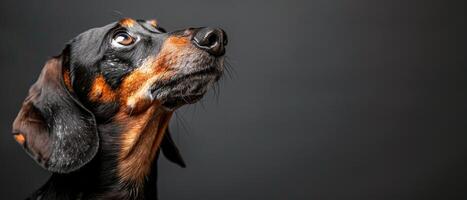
181	121
232	73
217	91
117	13
195	108
202	104
131	111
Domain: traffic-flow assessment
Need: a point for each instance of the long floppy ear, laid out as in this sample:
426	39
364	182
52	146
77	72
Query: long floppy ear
171	151
56	130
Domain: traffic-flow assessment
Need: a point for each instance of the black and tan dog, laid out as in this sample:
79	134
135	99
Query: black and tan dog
98	113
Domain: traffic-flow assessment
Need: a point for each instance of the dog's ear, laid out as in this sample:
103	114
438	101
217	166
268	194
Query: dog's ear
56	130
171	151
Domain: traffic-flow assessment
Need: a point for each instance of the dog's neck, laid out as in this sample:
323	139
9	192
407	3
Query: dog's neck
126	165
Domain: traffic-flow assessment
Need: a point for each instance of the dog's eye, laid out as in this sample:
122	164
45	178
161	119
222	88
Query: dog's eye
123	38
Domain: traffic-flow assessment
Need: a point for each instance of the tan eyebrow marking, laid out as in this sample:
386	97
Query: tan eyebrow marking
153	22
127	22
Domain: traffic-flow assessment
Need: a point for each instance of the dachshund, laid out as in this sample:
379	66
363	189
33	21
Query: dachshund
98	113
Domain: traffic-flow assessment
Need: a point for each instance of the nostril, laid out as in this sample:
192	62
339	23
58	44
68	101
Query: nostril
212	39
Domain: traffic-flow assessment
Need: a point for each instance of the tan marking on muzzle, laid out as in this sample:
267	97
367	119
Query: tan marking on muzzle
144	122
136	86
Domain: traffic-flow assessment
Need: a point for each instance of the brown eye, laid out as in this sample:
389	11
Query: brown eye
123	38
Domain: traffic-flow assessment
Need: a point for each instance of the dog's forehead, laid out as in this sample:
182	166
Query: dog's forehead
88	45
139	25
95	33
143	26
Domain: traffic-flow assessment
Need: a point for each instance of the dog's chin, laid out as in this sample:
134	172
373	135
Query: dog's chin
188	91
175	102
187	88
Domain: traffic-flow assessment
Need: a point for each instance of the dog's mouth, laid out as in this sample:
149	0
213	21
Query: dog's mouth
187	88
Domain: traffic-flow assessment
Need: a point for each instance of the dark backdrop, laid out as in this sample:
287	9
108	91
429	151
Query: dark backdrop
342	99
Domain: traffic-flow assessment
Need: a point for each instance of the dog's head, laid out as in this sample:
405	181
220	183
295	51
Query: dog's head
121	69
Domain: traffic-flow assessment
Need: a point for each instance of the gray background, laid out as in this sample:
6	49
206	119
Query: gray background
341	99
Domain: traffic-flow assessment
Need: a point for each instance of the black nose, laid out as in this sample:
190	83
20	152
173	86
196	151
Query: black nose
213	40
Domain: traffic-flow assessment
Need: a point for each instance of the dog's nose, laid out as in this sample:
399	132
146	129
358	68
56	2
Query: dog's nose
212	40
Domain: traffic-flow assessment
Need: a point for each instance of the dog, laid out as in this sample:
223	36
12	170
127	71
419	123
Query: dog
99	112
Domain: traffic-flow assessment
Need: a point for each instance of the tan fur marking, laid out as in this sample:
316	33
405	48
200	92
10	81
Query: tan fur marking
153	22
144	120
135	86
20	138
178	41
67	80
101	91
127	22
140	142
